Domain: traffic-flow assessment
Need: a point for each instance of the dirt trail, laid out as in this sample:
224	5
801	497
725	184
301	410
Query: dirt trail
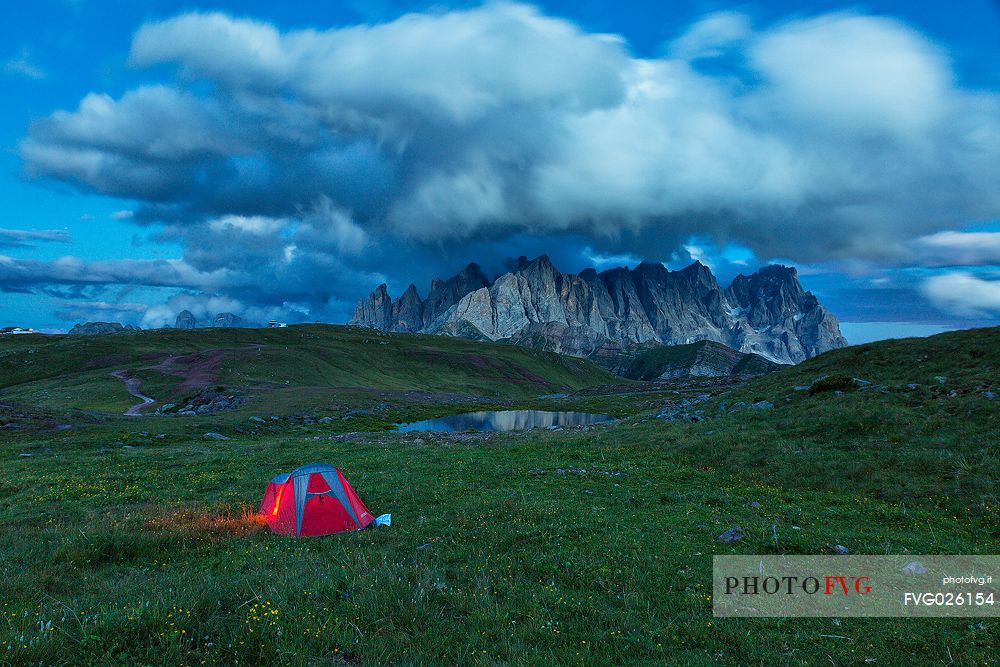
132	384
196	369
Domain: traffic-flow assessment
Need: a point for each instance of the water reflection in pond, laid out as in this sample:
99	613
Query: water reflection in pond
506	420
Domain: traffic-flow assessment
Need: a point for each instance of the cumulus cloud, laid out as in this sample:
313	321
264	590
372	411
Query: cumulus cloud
964	294
958	249
314	158
205	307
860	73
453	67
149	145
712	36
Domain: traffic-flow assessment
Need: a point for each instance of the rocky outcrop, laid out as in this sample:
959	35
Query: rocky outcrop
446	293
209	400
185	320
767	313
777	317
228	320
102	329
408	311
375	312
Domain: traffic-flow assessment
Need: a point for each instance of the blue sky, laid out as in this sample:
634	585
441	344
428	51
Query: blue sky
280	159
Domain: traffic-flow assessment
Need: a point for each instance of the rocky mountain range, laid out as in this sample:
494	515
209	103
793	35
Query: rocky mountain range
102	329
186	320
600	314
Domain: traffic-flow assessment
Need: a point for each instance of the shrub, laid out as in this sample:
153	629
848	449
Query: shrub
832	383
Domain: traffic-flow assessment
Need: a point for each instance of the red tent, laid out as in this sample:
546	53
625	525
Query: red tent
313	500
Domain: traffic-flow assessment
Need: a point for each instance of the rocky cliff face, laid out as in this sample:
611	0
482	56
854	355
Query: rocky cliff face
407	313
446	293
375	311
229	320
411	313
767	313
185	320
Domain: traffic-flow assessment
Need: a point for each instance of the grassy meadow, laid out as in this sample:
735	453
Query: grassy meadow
135	540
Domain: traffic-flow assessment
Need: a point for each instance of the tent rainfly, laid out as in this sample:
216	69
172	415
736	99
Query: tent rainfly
313	500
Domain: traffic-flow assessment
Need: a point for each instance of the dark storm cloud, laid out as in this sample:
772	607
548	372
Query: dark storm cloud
315	162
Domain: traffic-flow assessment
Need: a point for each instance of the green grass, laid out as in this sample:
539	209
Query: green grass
74	372
967	360
544	548
85	390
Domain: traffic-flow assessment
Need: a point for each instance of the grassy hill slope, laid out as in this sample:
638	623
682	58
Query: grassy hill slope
967	360
135	541
63	372
902	419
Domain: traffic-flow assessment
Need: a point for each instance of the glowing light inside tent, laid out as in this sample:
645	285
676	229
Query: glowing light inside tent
277	500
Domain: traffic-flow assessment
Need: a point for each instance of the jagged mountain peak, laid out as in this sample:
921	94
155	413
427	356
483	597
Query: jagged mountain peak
472	269
694	267
777	270
649	268
185	320
767	312
540	263
698	272
540	268
771	271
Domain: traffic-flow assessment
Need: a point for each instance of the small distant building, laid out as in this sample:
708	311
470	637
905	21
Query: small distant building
275	324
13	331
